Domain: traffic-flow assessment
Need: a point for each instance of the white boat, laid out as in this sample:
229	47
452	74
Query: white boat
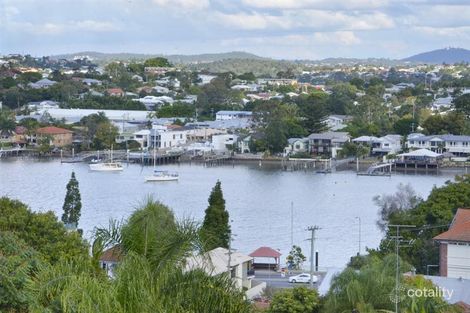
106	167
162	176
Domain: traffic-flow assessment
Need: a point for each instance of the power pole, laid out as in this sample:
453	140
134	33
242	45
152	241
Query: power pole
359	250
291	224
312	229
398	238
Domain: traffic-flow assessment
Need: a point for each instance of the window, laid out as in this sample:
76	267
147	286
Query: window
174	137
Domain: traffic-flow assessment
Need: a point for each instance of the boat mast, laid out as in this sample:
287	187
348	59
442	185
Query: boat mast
154	150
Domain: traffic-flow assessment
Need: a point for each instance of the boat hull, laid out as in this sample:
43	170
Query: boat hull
160	178
103	168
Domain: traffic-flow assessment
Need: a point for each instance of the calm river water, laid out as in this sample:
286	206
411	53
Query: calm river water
257	198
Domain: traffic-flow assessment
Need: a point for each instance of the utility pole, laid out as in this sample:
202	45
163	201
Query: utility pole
398	238
292	224
359	250
312	229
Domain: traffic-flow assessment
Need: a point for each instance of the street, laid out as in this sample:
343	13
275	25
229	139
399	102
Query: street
275	280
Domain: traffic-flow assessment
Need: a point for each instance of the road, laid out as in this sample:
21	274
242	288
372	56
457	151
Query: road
275	280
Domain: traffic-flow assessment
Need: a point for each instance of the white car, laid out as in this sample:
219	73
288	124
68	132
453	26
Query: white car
302	278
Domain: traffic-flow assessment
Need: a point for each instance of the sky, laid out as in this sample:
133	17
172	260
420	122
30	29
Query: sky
281	29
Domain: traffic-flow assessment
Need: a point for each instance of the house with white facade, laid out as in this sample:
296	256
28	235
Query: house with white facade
337	122
221	261
165	138
389	144
455	144
224	143
454	247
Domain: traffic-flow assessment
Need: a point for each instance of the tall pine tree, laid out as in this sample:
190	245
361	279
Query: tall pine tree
72	203
215	230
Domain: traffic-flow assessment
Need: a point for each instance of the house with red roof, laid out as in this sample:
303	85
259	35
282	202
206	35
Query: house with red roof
266	258
58	137
454	247
115	92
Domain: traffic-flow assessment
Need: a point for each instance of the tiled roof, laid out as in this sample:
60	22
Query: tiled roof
459	230
113	254
52	130
265	252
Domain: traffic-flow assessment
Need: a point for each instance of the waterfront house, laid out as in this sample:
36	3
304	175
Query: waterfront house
454	247
216	262
224	143
455	144
389	144
163	138
296	145
57	137
327	143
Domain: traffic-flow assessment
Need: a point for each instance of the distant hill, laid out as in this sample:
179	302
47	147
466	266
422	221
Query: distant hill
102	58
446	55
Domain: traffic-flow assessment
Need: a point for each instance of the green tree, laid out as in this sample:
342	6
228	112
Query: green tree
72	203
296	258
295	300
105	136
18	263
312	109
431	218
157	62
7	120
215	230
41	231
462	104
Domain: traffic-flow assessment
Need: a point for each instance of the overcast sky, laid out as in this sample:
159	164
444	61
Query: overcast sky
287	29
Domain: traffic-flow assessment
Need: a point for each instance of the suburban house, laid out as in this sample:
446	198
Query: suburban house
58	137
92	81
43	83
296	145
337	122
110	259
327	143
454	247
224	142
389	144
230	115
164	138
216	262
455	144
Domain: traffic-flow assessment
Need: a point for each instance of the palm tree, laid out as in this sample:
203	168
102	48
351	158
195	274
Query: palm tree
151	276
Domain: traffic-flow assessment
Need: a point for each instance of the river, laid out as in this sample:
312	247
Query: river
257	198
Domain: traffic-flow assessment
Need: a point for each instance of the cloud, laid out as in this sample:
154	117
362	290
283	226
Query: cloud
61	28
455	32
184	4
346	38
307	19
317	4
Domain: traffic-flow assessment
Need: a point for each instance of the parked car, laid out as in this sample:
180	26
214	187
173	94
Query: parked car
302	278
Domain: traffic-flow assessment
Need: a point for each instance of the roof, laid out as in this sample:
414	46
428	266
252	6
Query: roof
115	90
215	261
234	113
448	137
421	153
113	254
459	230
265	252
330	135
52	130
292	140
